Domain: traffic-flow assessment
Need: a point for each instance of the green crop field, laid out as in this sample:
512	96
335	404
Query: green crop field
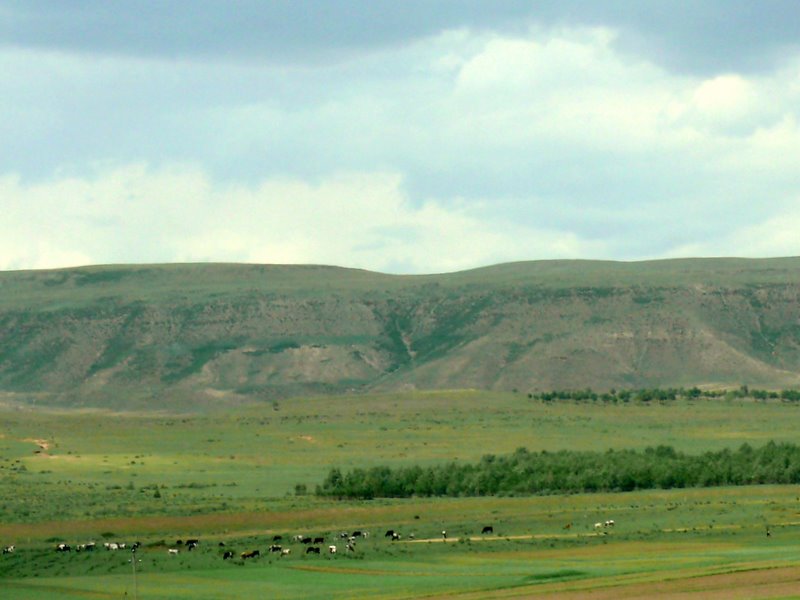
231	477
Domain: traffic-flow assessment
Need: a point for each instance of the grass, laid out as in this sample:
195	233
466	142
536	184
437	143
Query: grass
76	287
236	460
230	477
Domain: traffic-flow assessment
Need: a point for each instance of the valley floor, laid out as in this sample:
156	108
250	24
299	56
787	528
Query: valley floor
231	479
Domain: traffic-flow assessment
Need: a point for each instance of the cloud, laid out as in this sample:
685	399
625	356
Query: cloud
683	35
451	151
775	236
137	214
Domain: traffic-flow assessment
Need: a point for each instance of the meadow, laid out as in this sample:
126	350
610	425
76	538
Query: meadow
243	476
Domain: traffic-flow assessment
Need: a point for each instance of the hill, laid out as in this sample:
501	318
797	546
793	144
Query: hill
189	335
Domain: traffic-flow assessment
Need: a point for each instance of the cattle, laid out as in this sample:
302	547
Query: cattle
319	540
135	545
228	554
111	546
305	540
194	542
191	546
351	547
356	534
251	554
179	543
63	548
221	544
389	533
444	535
8	549
312	550
598	525
88	547
344	535
609	523
275	548
395	536
173	551
286	551
332	549
487	529
277	538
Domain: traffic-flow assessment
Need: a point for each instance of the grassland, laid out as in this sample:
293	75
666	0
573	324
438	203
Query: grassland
79	476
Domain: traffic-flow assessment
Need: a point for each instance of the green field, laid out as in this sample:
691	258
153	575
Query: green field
81	476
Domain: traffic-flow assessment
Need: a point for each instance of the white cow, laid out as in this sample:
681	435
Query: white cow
332	549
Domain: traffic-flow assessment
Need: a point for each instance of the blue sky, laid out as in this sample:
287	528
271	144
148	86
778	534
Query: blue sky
406	137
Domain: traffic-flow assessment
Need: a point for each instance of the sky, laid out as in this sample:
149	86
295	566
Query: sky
422	136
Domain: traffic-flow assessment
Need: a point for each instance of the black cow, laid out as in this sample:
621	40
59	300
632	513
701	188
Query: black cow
319	540
228	554
389	533
487	529
305	540
63	548
277	538
275	548
356	534
251	554
312	550
192	542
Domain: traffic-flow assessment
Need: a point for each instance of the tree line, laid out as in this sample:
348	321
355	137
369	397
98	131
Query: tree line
526	473
645	395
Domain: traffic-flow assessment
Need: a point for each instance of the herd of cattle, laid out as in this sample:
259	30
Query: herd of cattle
310	544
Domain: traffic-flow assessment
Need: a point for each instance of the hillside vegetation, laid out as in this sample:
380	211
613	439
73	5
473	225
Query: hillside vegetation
194	335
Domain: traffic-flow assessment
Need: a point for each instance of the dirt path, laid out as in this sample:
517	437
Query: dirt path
500	538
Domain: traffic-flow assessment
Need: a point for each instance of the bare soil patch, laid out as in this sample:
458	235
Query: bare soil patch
44	445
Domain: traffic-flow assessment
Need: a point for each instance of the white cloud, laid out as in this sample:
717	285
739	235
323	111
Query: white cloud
454	151
773	237
134	214
725	94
